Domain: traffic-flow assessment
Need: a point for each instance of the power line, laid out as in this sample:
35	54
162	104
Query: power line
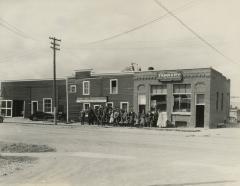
14	29
194	32
140	26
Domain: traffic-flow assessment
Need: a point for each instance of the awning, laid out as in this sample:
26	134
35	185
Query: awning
92	100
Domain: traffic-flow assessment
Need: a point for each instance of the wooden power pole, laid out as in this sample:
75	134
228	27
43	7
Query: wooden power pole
55	46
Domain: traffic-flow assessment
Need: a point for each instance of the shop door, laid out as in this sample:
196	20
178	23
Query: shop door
200	115
142	108
18	108
34	107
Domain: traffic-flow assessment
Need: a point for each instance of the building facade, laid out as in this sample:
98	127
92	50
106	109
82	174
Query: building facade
234	115
191	97
185	97
23	98
93	90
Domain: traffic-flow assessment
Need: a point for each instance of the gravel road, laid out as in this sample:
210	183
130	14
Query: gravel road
90	155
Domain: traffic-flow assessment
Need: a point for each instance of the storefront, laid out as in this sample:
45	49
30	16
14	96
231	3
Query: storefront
191	97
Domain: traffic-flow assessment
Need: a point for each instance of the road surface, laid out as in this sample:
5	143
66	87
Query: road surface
97	156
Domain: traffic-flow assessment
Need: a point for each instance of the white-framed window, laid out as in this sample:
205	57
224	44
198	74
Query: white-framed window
96	106
109	104
6	108
182	97
124	106
86	106
113	86
47	105
86	87
34	107
158	89
73	89
200	99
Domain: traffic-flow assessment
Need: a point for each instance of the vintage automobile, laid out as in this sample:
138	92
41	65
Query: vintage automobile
41	116
1	119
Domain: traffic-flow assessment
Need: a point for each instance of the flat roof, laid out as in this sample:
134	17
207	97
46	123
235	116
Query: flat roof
31	80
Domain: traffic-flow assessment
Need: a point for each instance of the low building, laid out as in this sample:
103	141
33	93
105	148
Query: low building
87	89
185	97
234	115
23	98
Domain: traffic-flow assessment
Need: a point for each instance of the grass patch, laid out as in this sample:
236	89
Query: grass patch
10	164
23	148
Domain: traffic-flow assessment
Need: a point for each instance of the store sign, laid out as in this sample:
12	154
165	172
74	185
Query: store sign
92	100
170	76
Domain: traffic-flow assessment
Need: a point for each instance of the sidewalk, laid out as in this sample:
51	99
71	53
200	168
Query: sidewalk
20	120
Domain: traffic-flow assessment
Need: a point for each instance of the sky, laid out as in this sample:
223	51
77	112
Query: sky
83	26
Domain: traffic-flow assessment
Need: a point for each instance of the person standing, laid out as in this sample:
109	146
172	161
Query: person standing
90	116
83	117
142	119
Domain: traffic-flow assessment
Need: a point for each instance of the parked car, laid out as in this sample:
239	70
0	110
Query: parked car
41	116
1	119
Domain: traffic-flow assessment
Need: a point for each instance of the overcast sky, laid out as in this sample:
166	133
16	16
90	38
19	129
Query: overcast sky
25	26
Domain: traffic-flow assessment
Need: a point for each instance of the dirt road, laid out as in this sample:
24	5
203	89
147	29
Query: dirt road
120	156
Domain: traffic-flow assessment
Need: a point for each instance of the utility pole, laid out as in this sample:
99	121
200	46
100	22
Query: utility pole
55	46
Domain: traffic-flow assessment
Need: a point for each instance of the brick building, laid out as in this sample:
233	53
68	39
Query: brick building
186	97
87	89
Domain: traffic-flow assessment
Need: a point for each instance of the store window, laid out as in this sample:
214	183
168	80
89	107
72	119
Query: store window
182	97
73	89
86	87
6	108
47	104
158	89
158	98
113	86
142	103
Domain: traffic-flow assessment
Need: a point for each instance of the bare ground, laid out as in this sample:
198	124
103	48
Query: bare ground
10	164
90	155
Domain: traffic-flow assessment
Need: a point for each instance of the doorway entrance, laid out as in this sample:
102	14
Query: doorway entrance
142	108
34	107
18	108
200	107
200	115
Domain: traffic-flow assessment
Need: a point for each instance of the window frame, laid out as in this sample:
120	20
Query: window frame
111	102
84	107
222	101
94	106
111	80
217	100
196	103
180	94
7	108
83	88
44	105
70	88
123	102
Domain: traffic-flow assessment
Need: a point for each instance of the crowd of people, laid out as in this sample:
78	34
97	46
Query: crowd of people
119	117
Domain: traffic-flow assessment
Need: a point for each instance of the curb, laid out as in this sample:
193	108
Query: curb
79	125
